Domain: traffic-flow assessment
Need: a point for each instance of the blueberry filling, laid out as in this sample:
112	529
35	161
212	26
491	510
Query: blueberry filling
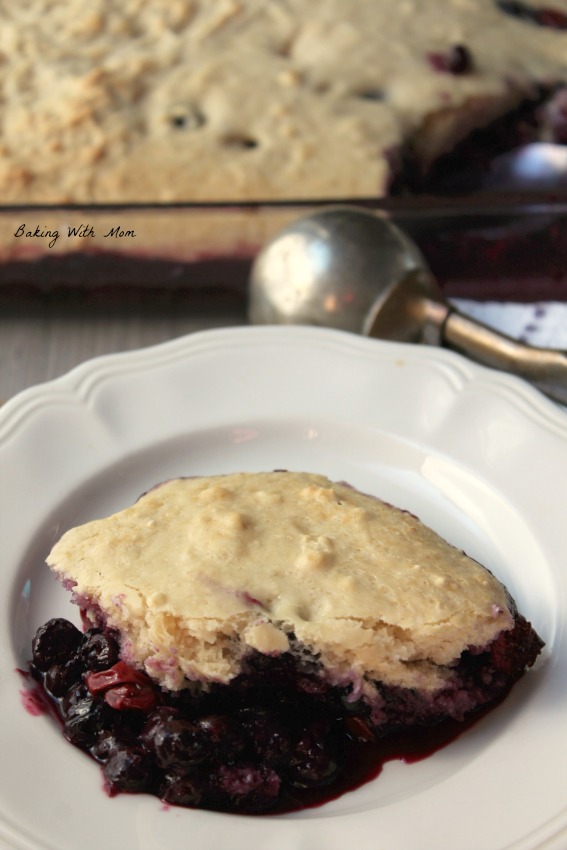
457	60
279	737
467	167
544	17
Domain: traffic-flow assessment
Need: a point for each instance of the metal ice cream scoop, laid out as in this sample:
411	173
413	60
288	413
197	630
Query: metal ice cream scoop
351	269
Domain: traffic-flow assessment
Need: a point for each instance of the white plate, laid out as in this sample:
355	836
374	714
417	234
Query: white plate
481	457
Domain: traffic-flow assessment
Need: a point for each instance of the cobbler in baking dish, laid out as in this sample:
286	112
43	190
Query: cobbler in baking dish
219	100
259	642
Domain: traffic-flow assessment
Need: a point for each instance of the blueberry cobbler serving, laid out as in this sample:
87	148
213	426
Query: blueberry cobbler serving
261	642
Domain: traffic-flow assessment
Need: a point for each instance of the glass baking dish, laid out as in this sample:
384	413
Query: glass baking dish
501	246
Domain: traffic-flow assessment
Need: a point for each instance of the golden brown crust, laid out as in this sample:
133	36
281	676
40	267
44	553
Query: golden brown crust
202	570
180	100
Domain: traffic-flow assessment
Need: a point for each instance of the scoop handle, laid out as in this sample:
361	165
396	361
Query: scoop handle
546	368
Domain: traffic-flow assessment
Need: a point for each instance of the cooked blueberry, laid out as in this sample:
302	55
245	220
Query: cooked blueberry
189	700
75	694
457	60
517	9
248	787
128	769
177	744
60	678
513	7
312	685
238	140
268	736
314	760
544	17
55	643
270	667
84	721
358	729
99	651
222	735
106	744
373	94
313	769
155	720
183	790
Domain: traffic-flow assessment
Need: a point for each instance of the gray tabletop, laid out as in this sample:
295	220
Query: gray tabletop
42	341
45	338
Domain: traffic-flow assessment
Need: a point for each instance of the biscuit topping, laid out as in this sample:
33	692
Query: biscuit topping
250	100
200	571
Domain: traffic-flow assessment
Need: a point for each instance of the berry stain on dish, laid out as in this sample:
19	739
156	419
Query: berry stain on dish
286	726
